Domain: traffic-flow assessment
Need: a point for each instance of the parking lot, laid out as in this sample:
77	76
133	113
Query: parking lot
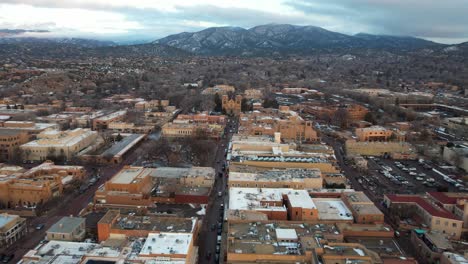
405	177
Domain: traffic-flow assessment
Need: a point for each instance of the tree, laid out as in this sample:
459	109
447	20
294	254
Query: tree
369	117
118	138
245	106
218	103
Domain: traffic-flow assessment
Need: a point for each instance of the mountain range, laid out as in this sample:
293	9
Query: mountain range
264	40
285	39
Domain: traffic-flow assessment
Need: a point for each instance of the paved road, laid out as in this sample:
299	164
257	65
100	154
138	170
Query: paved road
71	204
208	238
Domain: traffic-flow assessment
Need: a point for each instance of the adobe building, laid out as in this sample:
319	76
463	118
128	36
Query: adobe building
11	140
37	185
267	122
232	106
56	143
363	209
115	223
67	229
143	187
12	228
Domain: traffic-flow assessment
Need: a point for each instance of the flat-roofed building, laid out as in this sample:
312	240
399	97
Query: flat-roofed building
253	94
301	207
275	203
220	89
278	241
395	150
333	209
363	209
10	142
124	127
171	247
378	133
103	122
54	143
115	223
139	186
263	152
152	105
32	128
67	229
429	246
288	178
269	121
12	228
435	216
29	188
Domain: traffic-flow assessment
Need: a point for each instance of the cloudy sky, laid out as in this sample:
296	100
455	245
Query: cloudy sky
439	20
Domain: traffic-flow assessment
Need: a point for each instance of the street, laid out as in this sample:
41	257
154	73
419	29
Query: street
208	237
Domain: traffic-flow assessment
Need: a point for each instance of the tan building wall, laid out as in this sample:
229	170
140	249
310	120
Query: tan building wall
232	106
13	229
312	183
377	148
373	134
60	143
323	167
10	141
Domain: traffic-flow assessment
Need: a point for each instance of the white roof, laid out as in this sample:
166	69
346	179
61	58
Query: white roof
255	198
167	243
301	199
332	209
286	234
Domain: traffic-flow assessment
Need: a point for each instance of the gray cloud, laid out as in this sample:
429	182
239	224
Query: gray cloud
423	18
433	19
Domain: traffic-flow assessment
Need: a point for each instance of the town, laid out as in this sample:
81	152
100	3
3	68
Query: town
229	173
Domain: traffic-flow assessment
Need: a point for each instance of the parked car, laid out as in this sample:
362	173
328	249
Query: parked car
40	226
7	258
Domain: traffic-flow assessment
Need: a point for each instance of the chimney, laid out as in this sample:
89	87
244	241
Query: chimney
277	137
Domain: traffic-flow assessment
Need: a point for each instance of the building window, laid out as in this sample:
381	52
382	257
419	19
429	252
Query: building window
437	222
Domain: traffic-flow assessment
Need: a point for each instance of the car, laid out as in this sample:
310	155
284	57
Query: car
413	169
430	180
413	173
40	226
220	194
212	227
8	258
419	178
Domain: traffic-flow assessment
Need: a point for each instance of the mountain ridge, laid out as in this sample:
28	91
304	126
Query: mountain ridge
285	39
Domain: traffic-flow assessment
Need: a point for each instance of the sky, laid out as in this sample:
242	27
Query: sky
442	21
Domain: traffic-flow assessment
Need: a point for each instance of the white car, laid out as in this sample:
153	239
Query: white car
413	173
419	179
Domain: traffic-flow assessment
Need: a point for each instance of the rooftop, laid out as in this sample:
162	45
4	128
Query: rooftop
290	175
279	237
332	209
66	225
167	243
256	198
130	174
5	219
425	205
149	222
170	172
301	199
